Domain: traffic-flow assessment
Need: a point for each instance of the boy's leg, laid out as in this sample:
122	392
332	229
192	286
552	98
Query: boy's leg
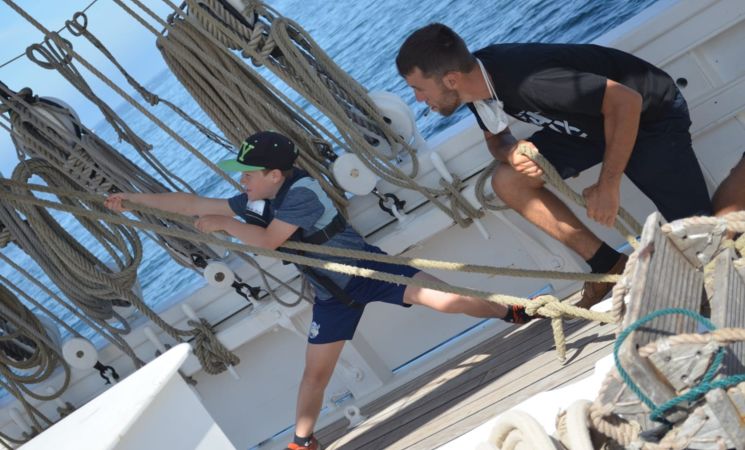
452	303
320	360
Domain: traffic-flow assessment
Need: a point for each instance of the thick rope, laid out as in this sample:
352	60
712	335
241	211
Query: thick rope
94	164
85	279
548	306
295	58
553	178
420	263
27	357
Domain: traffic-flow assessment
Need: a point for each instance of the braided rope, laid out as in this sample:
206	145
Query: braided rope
297	60
420	263
85	279
82	158
552	177
549	307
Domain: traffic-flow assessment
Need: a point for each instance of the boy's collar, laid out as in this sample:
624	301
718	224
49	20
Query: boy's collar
282	193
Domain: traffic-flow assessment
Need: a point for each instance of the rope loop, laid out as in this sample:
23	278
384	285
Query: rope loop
76	27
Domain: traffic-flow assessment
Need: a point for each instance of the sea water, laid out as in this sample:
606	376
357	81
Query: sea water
363	38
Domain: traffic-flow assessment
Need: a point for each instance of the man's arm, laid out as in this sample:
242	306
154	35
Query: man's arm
502	146
270	237
621	111
176	202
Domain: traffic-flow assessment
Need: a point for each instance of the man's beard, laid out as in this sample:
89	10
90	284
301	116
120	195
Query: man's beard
450	102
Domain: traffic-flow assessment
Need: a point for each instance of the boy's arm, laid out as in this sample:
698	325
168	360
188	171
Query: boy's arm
176	202
270	237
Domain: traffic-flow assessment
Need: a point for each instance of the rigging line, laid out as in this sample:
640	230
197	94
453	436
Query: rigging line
12	60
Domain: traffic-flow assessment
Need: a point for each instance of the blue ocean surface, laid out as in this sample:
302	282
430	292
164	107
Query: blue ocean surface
363	37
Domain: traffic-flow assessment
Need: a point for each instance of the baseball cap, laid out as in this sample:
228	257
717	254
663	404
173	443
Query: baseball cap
263	150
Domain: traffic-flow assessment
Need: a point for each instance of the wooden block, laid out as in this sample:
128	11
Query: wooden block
662	278
685	364
717	423
728	307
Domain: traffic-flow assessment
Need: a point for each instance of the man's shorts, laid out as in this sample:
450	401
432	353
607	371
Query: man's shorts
662	165
334	320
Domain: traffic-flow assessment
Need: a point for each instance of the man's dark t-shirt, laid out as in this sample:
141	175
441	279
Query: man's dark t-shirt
561	86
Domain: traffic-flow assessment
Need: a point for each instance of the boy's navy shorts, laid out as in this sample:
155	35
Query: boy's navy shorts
334	320
662	165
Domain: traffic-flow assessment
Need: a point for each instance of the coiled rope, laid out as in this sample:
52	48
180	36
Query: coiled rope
79	274
28	357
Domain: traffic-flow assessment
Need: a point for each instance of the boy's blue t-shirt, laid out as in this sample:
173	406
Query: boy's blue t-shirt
302	202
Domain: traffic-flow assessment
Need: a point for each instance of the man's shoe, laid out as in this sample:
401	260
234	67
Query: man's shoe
314	445
592	293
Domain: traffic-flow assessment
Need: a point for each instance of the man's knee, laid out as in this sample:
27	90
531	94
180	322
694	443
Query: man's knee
507	183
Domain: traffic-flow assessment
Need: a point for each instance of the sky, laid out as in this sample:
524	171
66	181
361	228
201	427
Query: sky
129	41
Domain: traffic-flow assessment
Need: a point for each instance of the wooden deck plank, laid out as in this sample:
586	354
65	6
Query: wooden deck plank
472	364
463	393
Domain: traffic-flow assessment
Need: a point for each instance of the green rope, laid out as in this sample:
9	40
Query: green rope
706	384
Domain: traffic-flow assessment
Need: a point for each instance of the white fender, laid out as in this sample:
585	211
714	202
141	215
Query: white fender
218	274
79	353
353	176
401	120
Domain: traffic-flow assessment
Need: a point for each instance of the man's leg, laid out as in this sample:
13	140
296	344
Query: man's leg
730	195
320	360
530	198
665	168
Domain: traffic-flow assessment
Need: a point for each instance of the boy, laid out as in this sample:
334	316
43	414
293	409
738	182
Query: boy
298	209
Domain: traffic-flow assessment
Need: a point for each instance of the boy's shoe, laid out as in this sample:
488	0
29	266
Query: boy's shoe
314	445
517	315
592	293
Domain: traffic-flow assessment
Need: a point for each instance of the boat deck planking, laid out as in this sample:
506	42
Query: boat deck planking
463	393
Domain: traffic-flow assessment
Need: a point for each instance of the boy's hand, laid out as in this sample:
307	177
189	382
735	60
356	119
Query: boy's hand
212	223
114	202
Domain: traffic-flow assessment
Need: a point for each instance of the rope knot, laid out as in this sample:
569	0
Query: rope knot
211	353
544	301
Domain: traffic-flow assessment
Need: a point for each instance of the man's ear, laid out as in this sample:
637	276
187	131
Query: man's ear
452	80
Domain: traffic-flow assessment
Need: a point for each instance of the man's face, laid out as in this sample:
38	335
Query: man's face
433	92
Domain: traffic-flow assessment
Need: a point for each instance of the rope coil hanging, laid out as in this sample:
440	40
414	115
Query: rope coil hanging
28	357
283	47
85	279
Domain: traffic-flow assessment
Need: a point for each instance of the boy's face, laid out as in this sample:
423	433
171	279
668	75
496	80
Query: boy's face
261	186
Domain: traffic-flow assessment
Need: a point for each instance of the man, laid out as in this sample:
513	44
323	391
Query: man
594	104
298	209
